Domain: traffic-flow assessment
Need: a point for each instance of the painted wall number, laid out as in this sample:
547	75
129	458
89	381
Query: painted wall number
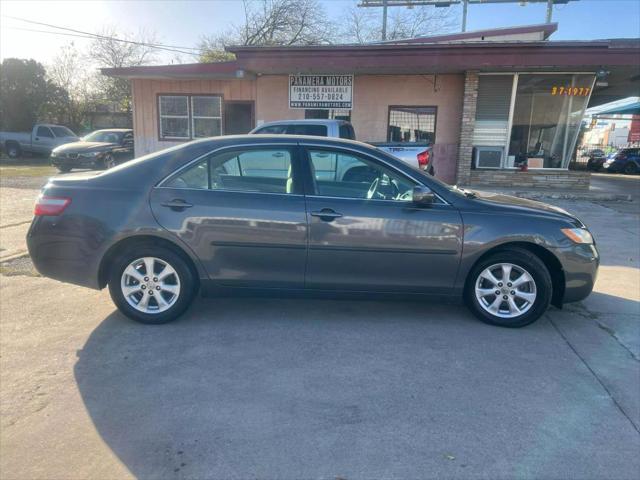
571	91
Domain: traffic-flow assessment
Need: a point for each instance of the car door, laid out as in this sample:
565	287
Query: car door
242	212
125	151
365	233
44	141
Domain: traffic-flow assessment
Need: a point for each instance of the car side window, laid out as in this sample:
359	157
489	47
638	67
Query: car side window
260	170
345	175
44	132
272	130
127	139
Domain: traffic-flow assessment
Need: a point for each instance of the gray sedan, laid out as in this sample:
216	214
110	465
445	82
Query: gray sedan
293	213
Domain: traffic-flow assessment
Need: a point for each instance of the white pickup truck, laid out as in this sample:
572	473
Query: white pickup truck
41	140
418	155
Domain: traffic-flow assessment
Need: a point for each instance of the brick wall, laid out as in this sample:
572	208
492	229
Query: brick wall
513	179
467	125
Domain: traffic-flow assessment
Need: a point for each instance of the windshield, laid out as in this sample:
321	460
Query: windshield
103	136
62	132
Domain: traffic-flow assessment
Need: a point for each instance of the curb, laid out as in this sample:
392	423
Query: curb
588	196
14	256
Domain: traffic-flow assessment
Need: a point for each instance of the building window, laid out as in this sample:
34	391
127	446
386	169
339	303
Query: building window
412	124
529	118
174	116
491	132
182	117
547	115
206	116
333	114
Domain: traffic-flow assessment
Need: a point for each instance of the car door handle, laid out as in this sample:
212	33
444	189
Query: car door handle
177	204
326	214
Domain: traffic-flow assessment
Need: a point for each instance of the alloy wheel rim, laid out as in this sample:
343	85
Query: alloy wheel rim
505	290
110	162
150	285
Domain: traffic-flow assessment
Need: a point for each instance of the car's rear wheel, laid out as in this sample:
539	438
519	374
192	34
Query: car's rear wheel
13	149
152	284
631	168
511	288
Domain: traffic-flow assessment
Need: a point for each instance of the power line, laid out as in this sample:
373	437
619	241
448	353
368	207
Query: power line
83	34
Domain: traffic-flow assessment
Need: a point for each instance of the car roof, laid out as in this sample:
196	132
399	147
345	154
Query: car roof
259	138
319	121
113	130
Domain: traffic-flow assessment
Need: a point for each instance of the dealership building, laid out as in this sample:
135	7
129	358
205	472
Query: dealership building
489	101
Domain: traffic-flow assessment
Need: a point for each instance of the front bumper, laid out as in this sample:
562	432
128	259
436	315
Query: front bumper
77	162
580	264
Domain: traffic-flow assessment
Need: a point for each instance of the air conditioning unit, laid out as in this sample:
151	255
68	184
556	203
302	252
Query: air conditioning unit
488	157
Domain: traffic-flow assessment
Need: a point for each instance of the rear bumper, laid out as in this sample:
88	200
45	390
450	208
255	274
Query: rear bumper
580	265
58	250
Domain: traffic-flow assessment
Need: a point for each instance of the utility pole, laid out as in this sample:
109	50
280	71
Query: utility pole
384	20
549	10
465	4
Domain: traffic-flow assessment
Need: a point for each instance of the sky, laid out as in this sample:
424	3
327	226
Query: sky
183	23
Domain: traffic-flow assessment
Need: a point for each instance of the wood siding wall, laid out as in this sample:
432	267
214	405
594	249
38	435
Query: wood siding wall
372	96
145	104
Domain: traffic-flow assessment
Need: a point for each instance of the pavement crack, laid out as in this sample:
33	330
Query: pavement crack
613	335
595	375
17	224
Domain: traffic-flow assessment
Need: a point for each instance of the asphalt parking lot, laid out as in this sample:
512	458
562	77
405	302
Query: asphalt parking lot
306	388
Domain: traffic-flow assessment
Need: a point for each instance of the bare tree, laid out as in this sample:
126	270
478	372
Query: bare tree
361	25
272	22
117	50
68	72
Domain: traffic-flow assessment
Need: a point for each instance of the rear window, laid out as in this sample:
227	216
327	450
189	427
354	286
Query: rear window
62	132
346	131
313	130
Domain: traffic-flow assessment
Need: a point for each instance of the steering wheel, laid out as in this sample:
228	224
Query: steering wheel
373	188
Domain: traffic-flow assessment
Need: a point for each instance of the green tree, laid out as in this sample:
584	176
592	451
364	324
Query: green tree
26	95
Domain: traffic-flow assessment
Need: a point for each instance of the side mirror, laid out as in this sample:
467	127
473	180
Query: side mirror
422	196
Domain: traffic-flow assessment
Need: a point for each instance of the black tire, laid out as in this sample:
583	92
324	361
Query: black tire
13	149
108	161
630	168
187	277
64	169
529	262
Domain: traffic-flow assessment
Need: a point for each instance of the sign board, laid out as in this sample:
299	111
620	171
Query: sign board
320	91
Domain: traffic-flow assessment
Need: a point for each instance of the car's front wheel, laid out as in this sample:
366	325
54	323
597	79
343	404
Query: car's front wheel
152	284
109	161
511	288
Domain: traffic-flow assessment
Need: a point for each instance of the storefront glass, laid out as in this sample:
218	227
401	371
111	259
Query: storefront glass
537	124
546	118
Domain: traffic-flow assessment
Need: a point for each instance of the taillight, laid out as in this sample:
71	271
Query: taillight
50	205
423	159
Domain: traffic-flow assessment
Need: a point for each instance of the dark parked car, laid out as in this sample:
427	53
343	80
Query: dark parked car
596	159
303	213
100	149
626	160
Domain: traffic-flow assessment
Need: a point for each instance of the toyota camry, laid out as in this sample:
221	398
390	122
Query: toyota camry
294	213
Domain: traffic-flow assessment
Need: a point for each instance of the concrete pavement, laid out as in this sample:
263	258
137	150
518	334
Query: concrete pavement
305	388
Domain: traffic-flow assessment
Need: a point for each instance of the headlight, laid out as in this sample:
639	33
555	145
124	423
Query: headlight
578	235
91	154
53	153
